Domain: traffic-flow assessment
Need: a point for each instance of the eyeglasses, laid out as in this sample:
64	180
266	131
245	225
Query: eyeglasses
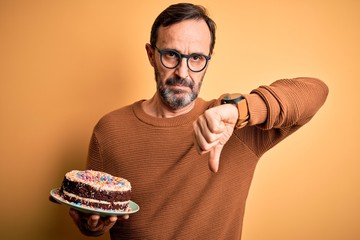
170	59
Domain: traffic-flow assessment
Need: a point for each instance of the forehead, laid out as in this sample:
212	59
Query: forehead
186	36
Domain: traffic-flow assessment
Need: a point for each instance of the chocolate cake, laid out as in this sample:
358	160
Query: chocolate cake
96	189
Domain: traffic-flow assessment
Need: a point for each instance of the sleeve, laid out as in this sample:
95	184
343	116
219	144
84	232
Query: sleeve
94	160
280	109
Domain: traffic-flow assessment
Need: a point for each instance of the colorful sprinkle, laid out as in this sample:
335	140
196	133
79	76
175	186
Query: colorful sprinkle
100	178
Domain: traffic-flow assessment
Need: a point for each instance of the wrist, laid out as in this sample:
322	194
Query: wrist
239	101
87	231
258	109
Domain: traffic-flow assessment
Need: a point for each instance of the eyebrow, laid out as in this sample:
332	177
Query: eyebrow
173	49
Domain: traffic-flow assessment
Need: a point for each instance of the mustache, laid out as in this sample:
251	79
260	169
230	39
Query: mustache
180	81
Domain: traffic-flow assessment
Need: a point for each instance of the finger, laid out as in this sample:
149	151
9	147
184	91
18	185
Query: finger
125	217
215	158
202	144
201	130
197	138
113	218
109	222
74	215
93	221
213	121
208	129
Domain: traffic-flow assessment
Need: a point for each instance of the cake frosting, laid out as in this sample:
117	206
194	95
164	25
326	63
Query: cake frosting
96	189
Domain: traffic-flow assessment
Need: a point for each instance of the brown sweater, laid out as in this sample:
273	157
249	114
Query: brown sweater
179	197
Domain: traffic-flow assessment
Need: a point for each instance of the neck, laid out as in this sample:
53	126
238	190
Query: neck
156	108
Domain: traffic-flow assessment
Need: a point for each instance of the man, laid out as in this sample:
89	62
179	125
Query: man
164	145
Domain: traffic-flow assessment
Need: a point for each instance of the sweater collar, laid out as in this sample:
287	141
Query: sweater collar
199	107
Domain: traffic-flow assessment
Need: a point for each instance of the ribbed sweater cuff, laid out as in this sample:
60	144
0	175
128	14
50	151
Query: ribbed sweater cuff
257	109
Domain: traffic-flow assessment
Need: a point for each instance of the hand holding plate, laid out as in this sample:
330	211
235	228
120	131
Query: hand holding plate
93	224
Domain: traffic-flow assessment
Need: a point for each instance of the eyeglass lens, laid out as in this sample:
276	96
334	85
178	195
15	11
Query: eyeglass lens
171	59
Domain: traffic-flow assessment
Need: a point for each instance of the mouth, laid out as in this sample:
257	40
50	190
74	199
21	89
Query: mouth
178	88
179	83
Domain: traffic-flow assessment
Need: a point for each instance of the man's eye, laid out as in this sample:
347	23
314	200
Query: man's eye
170	54
197	58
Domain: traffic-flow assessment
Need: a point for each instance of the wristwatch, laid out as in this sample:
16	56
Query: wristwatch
241	105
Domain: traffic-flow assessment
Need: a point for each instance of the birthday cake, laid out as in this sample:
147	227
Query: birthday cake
96	189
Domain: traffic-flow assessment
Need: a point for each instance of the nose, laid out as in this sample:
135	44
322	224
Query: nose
182	69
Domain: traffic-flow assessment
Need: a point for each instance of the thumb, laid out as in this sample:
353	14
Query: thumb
215	157
93	221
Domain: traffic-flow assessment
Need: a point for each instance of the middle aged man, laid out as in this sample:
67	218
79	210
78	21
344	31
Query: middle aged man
165	144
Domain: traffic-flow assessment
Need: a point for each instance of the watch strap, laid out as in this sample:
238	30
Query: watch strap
241	104
243	111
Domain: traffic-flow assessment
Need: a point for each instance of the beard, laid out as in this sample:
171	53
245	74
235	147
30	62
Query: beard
177	98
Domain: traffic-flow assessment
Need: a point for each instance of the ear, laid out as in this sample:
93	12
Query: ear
212	55
150	53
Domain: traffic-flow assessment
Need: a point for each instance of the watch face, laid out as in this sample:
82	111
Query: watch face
232	98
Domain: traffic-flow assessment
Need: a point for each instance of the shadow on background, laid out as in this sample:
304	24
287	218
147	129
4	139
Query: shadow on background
114	90
59	224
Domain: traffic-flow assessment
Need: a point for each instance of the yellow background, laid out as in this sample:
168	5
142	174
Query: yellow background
66	63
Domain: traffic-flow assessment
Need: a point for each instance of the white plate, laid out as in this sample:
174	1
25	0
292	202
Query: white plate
133	207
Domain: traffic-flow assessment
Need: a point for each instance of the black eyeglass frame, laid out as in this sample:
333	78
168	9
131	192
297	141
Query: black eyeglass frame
181	56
